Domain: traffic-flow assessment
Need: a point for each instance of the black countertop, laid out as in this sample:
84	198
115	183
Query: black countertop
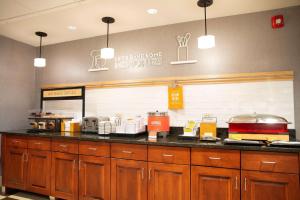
171	140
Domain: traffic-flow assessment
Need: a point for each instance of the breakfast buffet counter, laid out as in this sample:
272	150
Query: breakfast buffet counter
76	166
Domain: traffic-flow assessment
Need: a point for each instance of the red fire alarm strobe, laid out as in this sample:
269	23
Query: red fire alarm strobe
277	21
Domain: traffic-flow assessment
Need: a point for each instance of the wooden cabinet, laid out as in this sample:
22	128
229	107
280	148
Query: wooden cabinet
129	151
209	183
27	169
39	170
270	162
94	178
128	179
216	158
176	155
168	181
15	168
64	176
72	170
264	185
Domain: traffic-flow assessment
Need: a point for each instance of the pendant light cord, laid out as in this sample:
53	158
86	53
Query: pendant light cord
205	18
107	35
41	46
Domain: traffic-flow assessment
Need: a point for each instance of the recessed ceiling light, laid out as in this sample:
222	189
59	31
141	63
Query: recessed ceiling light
72	28
152	11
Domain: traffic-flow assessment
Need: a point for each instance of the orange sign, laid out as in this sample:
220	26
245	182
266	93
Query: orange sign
175	98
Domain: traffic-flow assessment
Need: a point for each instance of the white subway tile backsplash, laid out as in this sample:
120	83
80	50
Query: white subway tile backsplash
220	100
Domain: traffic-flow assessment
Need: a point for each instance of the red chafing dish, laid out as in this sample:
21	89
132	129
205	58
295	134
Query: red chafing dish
258	123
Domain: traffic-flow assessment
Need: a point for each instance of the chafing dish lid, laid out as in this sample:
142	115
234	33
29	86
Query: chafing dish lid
258	118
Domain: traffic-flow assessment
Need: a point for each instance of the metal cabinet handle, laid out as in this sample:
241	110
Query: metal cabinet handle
268	162
16	141
23	157
149	174
236	182
92	148
128	152
142	173
74	164
79	164
168	155
214	158
38	143
245	184
63	145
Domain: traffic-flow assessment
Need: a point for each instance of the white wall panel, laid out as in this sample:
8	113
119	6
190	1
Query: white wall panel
221	100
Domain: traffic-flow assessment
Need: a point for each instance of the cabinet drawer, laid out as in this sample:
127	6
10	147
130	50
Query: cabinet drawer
94	148
39	144
177	155
17	142
65	146
129	151
216	158
270	161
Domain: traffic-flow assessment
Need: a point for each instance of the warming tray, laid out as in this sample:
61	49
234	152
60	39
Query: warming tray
243	142
286	144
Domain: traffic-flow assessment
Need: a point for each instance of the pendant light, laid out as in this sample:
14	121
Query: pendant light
107	53
205	41
40	62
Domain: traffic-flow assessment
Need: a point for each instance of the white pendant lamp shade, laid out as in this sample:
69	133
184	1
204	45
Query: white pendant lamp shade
40	62
107	53
206	42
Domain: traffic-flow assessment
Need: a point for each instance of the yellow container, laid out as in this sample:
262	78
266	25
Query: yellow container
208	127
69	126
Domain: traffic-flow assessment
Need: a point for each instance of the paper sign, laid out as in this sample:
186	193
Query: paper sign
175	98
62	93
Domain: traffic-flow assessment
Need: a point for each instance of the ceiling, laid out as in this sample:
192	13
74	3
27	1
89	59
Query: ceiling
19	19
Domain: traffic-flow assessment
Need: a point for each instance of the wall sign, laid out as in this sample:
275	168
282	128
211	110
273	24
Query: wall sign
62	93
139	60
183	50
97	64
175	97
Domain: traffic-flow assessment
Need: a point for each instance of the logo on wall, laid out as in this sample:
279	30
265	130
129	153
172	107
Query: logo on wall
98	64
139	60
183	50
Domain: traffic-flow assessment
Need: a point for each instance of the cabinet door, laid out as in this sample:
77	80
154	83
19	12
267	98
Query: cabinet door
39	169
128	180
94	178
275	186
64	176
209	183
15	168
168	181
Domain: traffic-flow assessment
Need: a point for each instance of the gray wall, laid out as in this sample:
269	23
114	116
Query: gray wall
17	83
244	43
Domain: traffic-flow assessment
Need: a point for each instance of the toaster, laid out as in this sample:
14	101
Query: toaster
90	125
